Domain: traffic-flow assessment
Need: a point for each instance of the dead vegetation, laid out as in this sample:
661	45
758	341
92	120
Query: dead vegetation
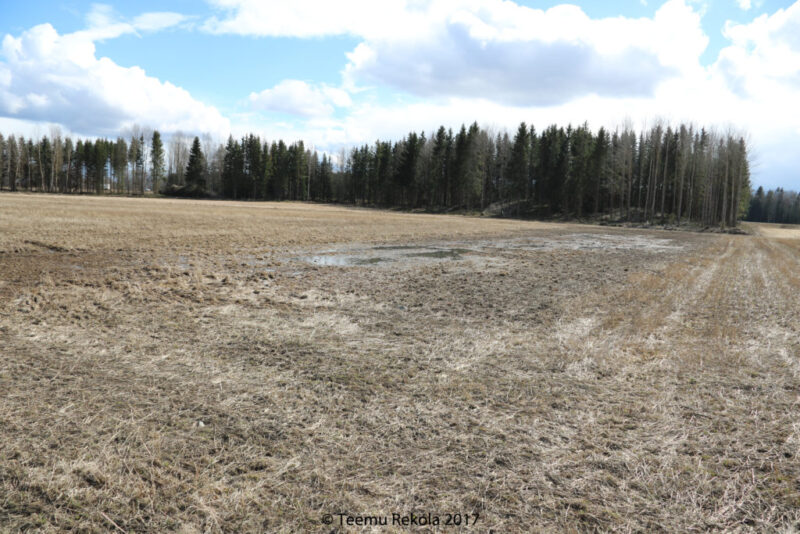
178	366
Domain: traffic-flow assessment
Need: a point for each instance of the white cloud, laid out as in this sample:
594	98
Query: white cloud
103	23
470	48
58	78
760	71
311	18
449	61
765	50
297	97
524	56
157	21
497	62
744	4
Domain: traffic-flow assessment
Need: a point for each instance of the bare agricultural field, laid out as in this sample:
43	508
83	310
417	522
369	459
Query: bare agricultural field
775	231
196	366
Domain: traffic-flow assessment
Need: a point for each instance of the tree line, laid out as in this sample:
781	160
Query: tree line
775	206
663	174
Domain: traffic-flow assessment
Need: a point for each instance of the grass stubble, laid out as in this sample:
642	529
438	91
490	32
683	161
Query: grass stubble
173	366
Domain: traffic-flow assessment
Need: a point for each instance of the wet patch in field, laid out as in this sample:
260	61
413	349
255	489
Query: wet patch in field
386	255
446	253
592	242
344	260
348	256
395	247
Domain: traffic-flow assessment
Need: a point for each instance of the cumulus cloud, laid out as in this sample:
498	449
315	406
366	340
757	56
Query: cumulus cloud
764	54
449	61
498	62
517	73
49	77
761	69
472	48
297	97
523	56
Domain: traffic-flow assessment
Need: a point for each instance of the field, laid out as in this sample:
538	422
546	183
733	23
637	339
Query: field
197	366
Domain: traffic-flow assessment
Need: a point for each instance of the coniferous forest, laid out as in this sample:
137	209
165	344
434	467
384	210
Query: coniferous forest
776	206
664	174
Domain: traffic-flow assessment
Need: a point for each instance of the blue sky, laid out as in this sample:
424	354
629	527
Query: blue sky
342	73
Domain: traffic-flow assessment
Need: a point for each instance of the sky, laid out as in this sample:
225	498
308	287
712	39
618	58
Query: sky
345	73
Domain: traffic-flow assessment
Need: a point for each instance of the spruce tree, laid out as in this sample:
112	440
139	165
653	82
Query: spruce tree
120	164
157	160
518	171
3	162
14	163
133	157
195	169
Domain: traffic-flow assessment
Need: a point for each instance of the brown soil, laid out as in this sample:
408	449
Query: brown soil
183	366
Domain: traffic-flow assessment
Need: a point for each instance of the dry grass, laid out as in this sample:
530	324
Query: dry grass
172	366
32	222
774	231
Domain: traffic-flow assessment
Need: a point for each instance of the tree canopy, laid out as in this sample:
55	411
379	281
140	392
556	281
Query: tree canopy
666	174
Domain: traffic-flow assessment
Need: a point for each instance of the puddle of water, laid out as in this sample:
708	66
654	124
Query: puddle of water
450	253
329	260
390	255
341	260
371	261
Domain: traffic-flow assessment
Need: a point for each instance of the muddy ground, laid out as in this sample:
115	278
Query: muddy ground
199	366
